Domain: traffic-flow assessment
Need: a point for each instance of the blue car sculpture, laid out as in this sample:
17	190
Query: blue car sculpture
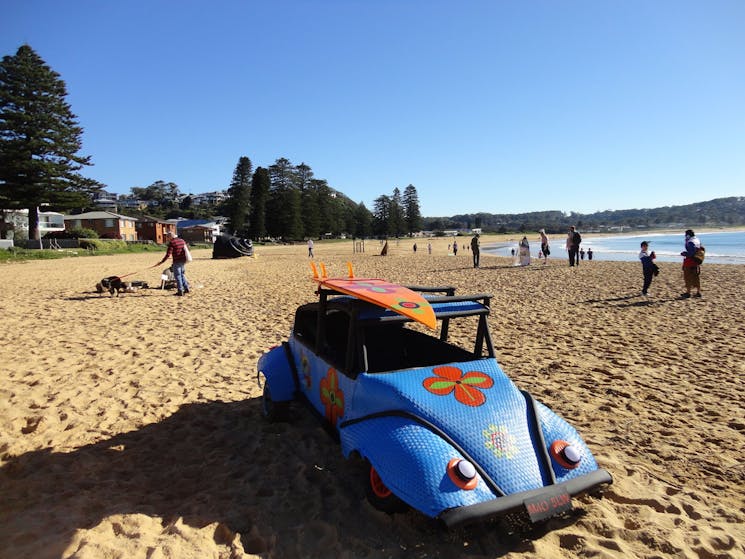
443	429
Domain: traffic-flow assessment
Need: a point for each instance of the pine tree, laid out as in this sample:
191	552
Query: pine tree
39	140
412	213
239	196
397	225
283	213
259	196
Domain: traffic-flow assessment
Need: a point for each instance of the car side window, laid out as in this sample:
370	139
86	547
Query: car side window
334	350
306	321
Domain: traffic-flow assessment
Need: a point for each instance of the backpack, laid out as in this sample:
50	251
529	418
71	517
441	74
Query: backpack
698	257
576	238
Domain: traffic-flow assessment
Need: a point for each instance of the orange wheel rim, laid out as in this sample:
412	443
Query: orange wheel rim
377	485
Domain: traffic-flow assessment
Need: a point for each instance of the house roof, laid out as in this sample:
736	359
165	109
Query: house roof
184	223
207	227
151	219
99	215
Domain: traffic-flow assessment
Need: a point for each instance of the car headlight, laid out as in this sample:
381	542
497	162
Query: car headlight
462	473
566	455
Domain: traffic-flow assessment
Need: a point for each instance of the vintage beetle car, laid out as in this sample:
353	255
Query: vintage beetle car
443	429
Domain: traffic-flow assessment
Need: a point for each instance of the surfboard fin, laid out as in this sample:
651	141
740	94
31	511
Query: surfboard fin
315	271
324	275
350	270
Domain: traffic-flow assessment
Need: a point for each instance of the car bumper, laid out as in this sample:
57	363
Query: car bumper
511	503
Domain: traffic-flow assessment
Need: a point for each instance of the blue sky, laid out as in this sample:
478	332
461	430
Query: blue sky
484	106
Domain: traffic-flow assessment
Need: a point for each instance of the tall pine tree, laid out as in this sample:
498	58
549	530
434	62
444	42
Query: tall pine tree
239	197
412	213
39	140
259	196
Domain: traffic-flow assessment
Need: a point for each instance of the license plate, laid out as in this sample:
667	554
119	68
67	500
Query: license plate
549	503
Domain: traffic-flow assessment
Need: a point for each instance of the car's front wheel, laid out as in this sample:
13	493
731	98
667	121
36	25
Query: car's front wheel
380	496
272	410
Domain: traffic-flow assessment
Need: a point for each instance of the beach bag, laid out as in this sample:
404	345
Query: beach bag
188	254
655	269
576	238
699	255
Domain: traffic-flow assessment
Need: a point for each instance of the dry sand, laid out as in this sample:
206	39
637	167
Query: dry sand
131	427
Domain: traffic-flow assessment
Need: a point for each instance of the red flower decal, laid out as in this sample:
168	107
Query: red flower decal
331	397
467	387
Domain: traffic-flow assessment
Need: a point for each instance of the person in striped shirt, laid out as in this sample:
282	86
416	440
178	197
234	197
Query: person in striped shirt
179	251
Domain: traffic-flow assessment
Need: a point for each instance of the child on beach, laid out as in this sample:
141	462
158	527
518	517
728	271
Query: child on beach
648	266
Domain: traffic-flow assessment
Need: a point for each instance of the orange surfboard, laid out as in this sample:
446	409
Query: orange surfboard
397	298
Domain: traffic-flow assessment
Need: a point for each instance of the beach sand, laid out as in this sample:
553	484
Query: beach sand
131	427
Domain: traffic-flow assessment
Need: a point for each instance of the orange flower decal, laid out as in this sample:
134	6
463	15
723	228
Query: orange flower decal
331	397
467	387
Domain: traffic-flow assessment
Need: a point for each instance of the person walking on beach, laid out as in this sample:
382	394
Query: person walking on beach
475	250
310	248
545	251
648	266
691	268
572	245
455	248
177	250
524	252
429	248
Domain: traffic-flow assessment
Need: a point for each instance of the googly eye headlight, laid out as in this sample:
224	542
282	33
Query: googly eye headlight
462	473
566	455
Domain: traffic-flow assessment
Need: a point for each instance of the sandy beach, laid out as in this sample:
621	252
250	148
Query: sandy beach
131	427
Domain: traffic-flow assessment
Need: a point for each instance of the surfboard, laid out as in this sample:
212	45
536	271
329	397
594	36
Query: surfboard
397	298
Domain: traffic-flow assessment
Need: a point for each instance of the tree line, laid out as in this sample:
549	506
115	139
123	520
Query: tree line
720	212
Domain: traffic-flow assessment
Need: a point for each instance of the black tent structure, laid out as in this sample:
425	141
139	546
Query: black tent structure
231	247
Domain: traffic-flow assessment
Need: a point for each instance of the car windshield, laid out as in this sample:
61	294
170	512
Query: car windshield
390	347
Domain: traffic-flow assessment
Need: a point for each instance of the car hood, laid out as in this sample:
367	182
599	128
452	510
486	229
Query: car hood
476	408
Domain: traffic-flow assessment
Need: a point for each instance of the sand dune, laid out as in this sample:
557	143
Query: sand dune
131	427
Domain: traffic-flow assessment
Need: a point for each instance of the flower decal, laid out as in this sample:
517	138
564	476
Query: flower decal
466	387
376	288
305	366
410	306
500	441
332	397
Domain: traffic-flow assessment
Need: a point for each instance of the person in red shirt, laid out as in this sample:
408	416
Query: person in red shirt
179	251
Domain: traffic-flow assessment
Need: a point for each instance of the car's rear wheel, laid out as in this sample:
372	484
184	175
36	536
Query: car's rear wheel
380	496
272	410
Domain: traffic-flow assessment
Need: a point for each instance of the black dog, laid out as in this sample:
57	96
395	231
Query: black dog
112	284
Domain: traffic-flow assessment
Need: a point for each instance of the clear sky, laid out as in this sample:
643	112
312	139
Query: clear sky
495	106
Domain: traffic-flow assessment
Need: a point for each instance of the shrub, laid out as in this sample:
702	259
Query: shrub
78	233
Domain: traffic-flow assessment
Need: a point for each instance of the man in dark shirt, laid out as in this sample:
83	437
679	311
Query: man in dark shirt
178	250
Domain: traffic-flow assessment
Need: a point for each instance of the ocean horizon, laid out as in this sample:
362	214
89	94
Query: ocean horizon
722	247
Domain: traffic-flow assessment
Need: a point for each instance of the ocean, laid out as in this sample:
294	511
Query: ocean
722	247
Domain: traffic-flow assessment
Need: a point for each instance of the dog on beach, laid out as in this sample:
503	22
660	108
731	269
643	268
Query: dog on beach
115	285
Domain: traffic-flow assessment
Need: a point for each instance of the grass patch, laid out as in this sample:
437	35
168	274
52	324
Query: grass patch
89	247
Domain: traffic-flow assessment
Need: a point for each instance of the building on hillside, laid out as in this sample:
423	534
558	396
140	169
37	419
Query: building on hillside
108	225
138	205
154	229
209	198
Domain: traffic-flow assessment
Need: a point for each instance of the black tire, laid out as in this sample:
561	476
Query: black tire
380	496
274	411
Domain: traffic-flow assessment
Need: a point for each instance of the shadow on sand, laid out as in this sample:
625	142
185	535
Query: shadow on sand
284	487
